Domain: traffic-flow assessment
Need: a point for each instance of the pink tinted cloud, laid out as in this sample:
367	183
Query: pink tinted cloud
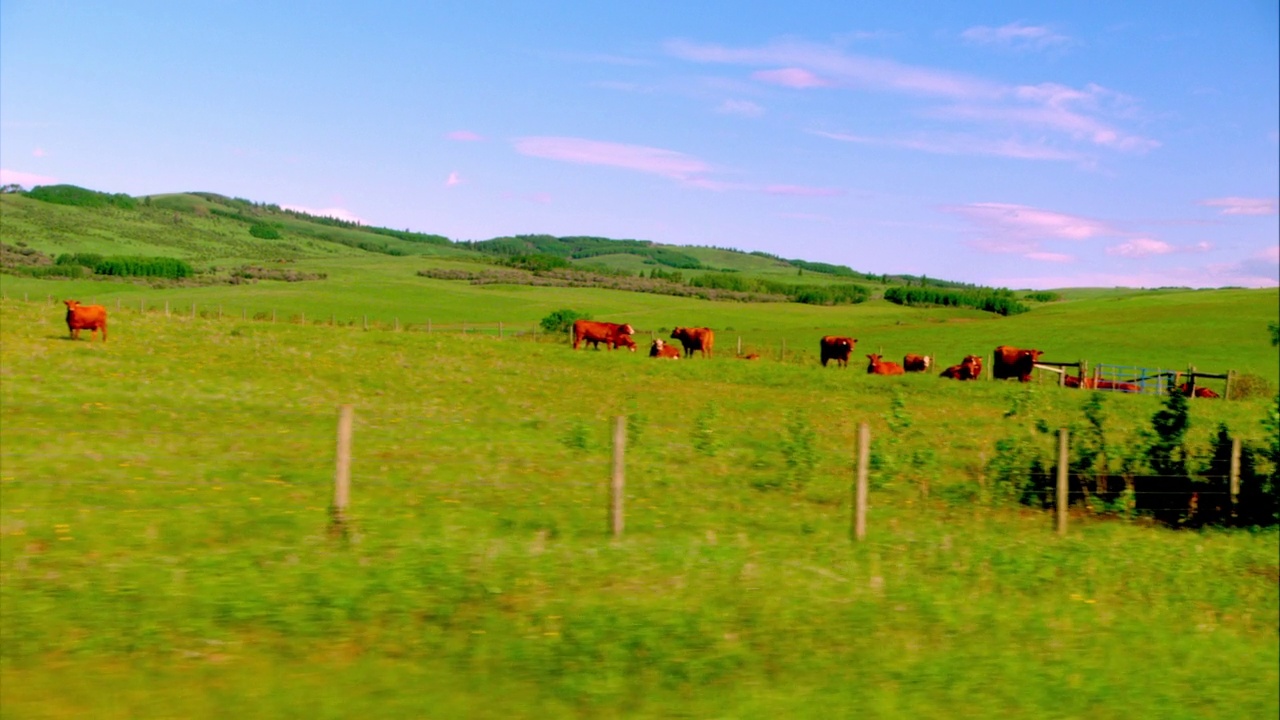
835	67
1076	113
963	144
1021	221
802	191
1244	206
1050	257
38	152
335	212
639	158
1140	247
453	179
790	77
25	179
464	136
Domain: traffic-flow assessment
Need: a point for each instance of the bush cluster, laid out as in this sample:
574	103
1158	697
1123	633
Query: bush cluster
579	247
842	294
996	300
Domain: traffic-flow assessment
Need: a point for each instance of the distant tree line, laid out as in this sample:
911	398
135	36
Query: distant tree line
1000	301
579	247
841	294
80	197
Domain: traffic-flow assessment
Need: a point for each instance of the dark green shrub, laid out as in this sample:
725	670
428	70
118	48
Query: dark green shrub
80	197
264	231
171	268
1000	301
1042	296
561	320
88	260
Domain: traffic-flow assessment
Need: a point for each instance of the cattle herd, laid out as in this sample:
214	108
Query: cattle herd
1009	362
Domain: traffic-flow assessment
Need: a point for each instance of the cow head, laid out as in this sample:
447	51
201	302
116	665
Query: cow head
71	304
656	348
1033	354
677	333
626	341
875	359
627	330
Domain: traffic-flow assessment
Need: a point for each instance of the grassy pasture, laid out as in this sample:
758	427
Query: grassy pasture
162	516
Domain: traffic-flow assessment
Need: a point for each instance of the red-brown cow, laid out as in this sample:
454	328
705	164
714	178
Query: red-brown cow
1200	392
882	367
661	349
1012	362
916	363
835	347
85	317
969	369
611	334
700	339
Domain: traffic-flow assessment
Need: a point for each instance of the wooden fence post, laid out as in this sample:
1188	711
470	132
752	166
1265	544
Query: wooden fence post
166	308
1235	473
499	331
342	471
618	484
1231	376
366	322
784	350
1062	482
428	326
860	483
193	311
397	324
739	344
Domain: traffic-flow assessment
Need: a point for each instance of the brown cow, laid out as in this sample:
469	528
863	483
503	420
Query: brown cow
700	339
85	317
611	334
661	349
835	347
1200	392
882	367
1012	362
969	369
916	363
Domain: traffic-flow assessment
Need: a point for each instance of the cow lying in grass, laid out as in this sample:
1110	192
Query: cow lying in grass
882	367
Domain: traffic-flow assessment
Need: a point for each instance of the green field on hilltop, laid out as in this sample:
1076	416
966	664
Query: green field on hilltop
165	543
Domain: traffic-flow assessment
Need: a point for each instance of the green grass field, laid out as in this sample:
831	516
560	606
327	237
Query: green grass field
165	553
164	525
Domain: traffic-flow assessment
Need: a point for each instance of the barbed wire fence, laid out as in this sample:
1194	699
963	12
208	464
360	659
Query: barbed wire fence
610	489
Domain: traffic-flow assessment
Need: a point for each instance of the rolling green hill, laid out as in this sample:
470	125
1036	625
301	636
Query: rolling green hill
164	538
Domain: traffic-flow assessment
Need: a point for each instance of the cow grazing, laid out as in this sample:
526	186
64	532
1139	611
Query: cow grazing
661	349
85	317
699	339
611	334
882	367
969	369
1012	362
916	363
835	347
1200	392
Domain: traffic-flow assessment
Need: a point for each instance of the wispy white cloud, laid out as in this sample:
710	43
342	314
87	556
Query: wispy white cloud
964	144
654	161
802	191
1088	115
1027	223
1015	35
1244	206
790	77
335	212
25	179
1257	270
464	136
838	68
1140	247
745	108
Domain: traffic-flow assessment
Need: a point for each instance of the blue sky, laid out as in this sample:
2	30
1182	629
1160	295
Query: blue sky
1020	144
